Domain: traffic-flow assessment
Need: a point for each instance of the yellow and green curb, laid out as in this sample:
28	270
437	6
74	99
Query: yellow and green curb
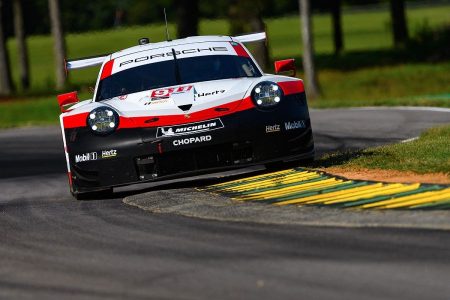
300	186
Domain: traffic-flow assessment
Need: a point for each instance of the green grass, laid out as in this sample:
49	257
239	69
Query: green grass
362	31
408	84
428	154
31	112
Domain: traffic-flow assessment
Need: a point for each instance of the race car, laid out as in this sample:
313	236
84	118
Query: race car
181	107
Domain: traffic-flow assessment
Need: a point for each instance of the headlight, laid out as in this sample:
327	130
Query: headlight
267	94
103	120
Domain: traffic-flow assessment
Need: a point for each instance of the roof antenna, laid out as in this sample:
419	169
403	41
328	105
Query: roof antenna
167	27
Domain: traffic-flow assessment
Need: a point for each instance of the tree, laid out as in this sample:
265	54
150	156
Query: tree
59	45
19	31
312	84
337	25
187	18
398	18
245	17
6	87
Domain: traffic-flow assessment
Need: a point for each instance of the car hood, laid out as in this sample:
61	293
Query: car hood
182	99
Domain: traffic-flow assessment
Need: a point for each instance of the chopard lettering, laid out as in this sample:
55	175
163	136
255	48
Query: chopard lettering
192	140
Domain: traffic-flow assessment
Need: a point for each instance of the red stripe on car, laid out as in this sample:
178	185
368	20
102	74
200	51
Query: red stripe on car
107	69
79	120
73	121
292	87
240	51
214	112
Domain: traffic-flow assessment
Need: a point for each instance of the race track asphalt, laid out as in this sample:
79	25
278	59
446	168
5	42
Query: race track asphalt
53	247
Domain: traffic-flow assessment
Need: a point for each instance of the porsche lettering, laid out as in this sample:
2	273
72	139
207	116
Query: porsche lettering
177	53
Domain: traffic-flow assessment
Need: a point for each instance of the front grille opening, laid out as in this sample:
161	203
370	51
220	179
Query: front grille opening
146	168
194	159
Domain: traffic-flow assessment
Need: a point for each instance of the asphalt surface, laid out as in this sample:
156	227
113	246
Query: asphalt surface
53	247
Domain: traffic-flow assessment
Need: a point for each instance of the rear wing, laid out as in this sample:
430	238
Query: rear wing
92	61
85	62
252	37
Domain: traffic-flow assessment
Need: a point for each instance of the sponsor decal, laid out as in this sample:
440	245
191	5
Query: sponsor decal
272	128
109	153
192	140
210	94
167	92
86	157
156	101
123	97
177	53
294	125
190	128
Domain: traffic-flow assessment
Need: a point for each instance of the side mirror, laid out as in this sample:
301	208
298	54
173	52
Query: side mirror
67	99
286	65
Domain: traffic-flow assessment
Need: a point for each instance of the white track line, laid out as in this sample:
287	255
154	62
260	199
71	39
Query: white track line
409	140
417	108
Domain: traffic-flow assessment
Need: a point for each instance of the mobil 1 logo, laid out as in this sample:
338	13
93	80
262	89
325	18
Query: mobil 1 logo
295	125
86	157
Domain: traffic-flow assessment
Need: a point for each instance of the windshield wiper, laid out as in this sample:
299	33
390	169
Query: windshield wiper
177	67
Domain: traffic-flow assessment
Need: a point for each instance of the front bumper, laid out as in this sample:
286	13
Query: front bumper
136	155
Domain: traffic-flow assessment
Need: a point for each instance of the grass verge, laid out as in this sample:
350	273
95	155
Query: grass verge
430	153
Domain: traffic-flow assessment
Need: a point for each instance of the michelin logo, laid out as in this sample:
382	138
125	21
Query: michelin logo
294	125
191	128
86	157
192	140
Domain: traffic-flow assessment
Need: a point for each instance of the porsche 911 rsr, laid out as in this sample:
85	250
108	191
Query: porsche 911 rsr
181	107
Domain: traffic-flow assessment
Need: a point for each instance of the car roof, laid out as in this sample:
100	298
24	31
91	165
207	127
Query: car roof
172	43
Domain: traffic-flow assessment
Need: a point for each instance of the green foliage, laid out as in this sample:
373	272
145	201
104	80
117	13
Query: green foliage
367	43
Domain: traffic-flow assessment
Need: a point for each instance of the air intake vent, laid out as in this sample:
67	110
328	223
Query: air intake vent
185	107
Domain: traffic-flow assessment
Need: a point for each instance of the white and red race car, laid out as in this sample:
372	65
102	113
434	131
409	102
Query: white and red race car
180	107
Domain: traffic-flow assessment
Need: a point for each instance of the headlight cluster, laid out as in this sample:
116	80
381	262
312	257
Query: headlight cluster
103	120
267	94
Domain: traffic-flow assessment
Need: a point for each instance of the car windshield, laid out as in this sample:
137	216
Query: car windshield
163	74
